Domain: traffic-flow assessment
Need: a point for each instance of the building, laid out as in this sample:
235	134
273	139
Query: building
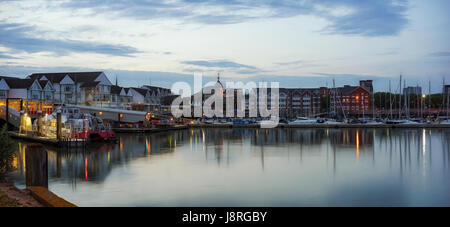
412	90
121	98
301	102
89	88
351	100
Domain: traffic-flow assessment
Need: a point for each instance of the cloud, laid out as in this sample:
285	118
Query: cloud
347	17
4	55
219	64
19	37
299	64
440	54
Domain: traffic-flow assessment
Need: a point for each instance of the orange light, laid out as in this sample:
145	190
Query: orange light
357	145
100	113
121	115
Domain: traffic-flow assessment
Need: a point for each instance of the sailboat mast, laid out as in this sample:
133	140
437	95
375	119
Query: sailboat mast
373	106
400	99
390	99
448	96
406	99
334	103
429	98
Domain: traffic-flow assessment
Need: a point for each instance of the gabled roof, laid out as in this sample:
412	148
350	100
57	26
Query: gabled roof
347	90
168	100
80	77
116	89
43	83
141	91
155	88
19	83
90	84
8	77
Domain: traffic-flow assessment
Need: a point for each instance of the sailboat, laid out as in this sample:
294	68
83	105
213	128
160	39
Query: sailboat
447	120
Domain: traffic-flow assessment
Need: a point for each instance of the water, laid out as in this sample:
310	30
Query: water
257	167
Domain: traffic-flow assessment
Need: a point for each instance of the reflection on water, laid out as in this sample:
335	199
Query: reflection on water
256	167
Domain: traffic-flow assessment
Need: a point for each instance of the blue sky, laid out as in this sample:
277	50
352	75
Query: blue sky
304	43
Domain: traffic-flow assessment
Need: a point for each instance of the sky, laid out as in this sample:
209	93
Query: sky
303	43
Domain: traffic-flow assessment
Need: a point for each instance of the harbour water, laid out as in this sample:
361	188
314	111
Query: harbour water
256	167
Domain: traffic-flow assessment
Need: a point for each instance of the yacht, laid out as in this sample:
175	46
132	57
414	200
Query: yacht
303	121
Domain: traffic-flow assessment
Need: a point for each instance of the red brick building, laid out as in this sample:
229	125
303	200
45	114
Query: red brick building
352	100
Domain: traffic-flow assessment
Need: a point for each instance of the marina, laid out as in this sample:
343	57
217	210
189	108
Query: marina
239	167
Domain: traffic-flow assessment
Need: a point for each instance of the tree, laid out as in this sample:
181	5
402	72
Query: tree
6	151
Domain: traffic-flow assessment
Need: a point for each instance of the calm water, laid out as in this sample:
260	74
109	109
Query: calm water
257	167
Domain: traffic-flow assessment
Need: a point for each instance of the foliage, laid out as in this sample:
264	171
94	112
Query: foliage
6	151
415	101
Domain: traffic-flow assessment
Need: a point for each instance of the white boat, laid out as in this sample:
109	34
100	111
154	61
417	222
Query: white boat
445	122
334	122
303	121
374	123
402	122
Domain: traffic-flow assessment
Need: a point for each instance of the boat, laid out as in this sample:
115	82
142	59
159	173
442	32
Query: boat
445	122
75	125
402	122
373	122
303	121
333	122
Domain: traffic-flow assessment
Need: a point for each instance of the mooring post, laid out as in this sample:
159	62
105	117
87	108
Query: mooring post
36	166
39	123
7	113
58	125
22	121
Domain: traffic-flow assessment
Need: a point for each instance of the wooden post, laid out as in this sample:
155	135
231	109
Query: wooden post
36	165
39	123
21	127
7	113
58	125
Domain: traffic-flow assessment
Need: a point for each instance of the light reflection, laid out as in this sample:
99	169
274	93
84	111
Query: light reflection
357	145
246	151
85	168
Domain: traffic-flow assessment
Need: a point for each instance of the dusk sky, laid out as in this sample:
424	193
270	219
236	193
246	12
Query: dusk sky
302	43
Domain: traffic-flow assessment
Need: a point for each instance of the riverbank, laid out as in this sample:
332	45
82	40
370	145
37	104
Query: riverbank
10	196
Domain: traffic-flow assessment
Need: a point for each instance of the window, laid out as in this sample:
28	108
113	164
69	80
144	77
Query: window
3	94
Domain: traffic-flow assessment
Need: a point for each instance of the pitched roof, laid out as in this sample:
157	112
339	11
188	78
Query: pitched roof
346	90
80	77
8	77
43	82
89	84
155	88
168	100
116	89
19	83
141	91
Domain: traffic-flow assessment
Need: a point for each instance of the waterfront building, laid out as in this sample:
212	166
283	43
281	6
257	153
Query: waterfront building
301	102
351	100
88	88
121	98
